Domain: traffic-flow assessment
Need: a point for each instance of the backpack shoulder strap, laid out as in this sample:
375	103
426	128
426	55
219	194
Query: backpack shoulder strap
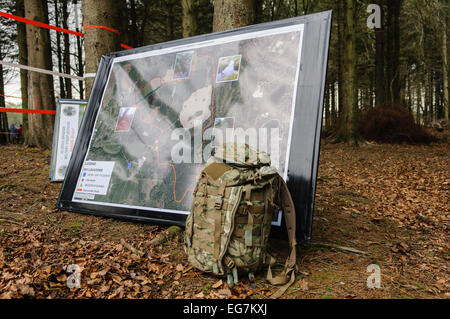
287	276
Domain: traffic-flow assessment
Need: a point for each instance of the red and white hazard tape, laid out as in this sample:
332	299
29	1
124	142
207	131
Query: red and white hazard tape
32	111
58	29
51	27
30	68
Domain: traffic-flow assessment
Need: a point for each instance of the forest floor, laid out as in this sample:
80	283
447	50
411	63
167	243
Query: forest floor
388	204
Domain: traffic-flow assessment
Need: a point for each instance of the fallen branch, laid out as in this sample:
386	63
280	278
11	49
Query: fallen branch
431	222
343	248
10	221
129	247
12	213
165	236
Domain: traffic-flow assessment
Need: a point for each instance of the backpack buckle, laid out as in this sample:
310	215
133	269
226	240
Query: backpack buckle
219	202
229	263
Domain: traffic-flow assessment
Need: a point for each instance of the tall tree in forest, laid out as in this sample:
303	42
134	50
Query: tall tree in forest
349	111
170	18
23	59
189	18
393	76
339	55
380	94
7	51
66	58
134	31
197	17
123	22
59	53
445	66
139	23
40	86
165	23
98	41
79	54
4	137
230	14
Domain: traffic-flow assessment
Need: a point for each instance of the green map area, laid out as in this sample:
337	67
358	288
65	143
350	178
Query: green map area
149	100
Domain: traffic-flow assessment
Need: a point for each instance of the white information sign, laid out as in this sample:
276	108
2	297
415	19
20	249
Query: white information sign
67	122
94	178
68	131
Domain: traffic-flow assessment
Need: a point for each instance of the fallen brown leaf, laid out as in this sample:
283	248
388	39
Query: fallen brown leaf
217	284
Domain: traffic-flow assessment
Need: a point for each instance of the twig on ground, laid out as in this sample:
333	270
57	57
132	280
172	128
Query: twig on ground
431	222
134	250
171	232
10	221
343	248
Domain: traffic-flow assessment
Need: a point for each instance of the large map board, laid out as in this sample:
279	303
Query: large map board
157	113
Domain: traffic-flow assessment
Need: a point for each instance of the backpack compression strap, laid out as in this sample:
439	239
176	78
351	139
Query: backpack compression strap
287	276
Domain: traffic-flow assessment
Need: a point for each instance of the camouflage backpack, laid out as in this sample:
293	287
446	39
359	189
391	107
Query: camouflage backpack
229	224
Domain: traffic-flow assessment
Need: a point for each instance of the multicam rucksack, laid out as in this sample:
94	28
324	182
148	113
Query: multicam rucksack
231	216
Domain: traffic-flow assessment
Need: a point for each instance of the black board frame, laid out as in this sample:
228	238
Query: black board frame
304	153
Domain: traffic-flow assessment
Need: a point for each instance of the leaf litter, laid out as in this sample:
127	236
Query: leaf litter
389	201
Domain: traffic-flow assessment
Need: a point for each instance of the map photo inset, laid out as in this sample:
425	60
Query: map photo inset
183	64
126	116
228	68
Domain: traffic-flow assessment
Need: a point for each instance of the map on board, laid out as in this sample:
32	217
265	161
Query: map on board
164	102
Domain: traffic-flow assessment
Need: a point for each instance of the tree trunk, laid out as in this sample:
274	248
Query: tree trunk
67	68
348	123
230	14
170	20
40	86
134	32
98	42
438	109
397	83
4	136
431	96
340	48
327	108
372	92
393	51
189	20
419	101
445	73
333	104
145	20
409	93
259	12
62	91
426	103
380	93
23	59
79	52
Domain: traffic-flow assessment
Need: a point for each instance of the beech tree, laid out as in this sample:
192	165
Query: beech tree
98	41
403	65
7	39
23	59
40	86
230	14
349	114
189	18
4	137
